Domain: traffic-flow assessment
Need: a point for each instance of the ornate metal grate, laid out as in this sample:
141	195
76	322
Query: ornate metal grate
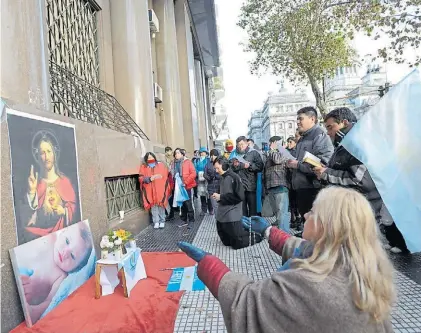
123	193
72	37
76	98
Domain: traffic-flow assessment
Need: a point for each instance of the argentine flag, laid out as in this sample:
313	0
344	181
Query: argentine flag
185	278
387	140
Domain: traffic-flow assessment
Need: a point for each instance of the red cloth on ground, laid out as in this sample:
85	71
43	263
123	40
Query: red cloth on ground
150	309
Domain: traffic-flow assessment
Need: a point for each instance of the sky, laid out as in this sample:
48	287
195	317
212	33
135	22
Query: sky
245	92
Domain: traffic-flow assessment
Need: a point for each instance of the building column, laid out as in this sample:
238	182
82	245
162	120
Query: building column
25	76
168	74
187	77
201	102
132	62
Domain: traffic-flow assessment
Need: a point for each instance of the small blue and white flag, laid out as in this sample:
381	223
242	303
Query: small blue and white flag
387	140
185	278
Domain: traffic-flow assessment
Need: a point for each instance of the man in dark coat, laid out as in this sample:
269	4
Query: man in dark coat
230	208
345	170
315	141
213	178
247	163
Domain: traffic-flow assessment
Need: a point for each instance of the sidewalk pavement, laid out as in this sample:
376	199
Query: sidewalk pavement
199	312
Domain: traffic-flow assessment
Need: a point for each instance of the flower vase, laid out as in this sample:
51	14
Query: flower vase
104	254
117	254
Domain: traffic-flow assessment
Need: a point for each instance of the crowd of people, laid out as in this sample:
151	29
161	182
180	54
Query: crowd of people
335	277
277	180
310	183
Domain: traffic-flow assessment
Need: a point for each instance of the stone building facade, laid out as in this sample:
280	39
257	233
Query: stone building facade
278	116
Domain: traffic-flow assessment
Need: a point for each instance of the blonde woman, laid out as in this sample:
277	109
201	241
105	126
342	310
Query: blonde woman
339	279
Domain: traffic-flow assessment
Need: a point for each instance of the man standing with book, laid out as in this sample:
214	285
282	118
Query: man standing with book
316	142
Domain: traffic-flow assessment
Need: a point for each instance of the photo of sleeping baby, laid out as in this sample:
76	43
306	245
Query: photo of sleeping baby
48	269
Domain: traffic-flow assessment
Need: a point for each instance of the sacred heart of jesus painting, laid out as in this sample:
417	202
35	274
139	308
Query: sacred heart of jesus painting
44	175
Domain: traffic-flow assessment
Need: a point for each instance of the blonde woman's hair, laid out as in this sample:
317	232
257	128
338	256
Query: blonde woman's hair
349	238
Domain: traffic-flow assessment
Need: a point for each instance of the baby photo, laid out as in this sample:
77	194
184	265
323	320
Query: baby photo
50	268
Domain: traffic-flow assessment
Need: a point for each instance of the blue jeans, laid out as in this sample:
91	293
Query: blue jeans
280	203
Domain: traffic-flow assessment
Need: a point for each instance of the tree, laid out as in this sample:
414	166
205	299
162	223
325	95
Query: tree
400	21
306	40
295	40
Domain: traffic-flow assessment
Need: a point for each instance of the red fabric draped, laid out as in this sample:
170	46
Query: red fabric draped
150	309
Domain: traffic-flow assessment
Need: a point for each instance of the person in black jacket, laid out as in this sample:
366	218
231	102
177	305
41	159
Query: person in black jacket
213	178
345	170
247	163
230	208
315	141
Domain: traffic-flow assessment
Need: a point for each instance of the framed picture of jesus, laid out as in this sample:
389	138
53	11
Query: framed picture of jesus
45	176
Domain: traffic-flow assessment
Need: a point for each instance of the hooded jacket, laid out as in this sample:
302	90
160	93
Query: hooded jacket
230	208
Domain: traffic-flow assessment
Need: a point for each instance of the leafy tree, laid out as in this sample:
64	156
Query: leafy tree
399	20
306	40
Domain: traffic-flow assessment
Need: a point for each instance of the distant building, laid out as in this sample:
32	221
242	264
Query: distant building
278	116
337	87
366	95
255	130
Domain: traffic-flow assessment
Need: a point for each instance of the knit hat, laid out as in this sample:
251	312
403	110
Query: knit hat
203	150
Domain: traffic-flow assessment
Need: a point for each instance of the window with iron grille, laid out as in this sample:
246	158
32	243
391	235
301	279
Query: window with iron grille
123	194
72	37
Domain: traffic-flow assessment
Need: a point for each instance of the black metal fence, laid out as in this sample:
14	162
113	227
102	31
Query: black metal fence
123	194
76	98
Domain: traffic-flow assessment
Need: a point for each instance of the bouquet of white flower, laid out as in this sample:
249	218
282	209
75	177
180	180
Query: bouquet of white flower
110	242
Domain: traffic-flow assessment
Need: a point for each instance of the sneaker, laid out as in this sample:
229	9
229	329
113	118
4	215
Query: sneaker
395	250
162	225
387	246
182	224
156	226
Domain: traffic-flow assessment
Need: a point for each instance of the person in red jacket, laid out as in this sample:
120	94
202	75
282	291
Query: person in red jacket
185	168
155	186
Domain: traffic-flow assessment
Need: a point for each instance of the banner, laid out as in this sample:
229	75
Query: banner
387	140
185	278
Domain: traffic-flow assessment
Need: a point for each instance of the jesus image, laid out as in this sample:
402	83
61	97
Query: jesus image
50	197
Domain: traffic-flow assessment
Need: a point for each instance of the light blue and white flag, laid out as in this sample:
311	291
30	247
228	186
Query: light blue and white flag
185	278
387	140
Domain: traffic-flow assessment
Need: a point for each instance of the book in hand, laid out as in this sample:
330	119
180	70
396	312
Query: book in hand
312	160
